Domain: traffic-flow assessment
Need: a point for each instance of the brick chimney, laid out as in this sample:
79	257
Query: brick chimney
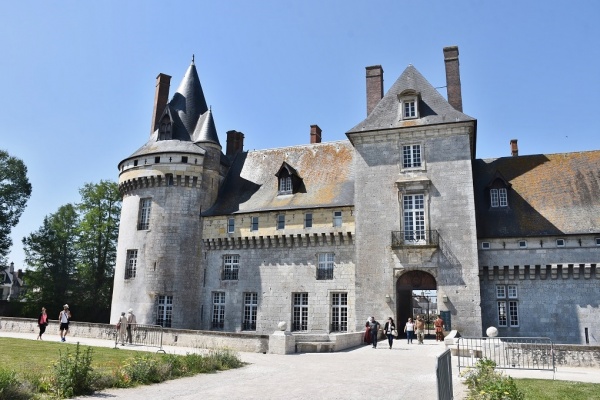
161	98
453	77
315	134
514	148
235	143
374	86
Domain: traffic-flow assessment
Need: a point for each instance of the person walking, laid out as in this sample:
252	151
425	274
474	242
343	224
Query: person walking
420	327
390	330
367	335
409	328
131	322
439	329
42	323
64	317
374	326
122	328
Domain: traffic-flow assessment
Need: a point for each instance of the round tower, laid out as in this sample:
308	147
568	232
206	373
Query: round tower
165	186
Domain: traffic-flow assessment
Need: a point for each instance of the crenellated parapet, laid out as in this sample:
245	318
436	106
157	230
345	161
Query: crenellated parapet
159	180
545	271
280	241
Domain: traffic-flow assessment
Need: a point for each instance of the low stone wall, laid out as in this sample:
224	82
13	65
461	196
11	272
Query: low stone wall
171	337
574	355
346	340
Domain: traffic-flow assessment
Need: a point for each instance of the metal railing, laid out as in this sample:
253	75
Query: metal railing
507	352
414	238
443	373
141	335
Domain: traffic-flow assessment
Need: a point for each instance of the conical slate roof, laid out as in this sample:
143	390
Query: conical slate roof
433	107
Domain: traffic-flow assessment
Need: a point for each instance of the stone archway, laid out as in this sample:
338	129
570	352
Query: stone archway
409	281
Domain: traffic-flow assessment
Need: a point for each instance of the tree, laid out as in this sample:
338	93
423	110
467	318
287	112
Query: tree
15	190
98	231
52	256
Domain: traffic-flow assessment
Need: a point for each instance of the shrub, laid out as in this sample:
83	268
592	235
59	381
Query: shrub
10	388
485	383
73	373
144	369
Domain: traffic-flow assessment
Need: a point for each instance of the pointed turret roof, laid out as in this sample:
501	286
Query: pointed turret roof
433	107
206	130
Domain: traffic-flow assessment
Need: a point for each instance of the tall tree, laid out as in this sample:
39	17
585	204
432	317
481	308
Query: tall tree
15	190
98	230
52	256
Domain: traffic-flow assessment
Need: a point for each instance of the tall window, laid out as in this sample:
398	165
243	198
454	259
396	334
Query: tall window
508	310
218	315
498	198
281	221
414	218
164	311
285	185
337	219
308	220
253	223
411	156
231	267
250	308
339	312
144	214
325	266
409	109
131	266
230	225
300	312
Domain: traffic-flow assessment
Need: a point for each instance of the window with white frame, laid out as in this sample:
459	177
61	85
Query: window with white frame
164	311
231	267
230	225
485	245
285	185
144	214
131	264
325	266
253	223
508	310
218	314
414	218
308	220
522	244
498	198
300	312
280	221
337	219
560	242
250	309
339	312
411	156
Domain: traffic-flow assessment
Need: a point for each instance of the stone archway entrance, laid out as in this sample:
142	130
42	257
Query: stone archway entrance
411	281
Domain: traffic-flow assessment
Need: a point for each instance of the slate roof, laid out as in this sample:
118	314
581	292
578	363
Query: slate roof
326	169
549	194
433	107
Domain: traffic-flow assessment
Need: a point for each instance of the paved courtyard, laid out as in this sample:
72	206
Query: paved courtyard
405	371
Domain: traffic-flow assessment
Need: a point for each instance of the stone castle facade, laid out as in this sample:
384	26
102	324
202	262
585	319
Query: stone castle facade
323	235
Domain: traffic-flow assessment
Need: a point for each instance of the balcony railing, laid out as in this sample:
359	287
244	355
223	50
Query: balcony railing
415	238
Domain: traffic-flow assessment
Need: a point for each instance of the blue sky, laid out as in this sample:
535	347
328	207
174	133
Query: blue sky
78	77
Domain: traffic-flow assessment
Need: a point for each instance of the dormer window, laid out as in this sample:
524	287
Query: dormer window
409	104
498	191
289	182
165	126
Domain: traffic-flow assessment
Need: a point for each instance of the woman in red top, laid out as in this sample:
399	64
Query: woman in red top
42	323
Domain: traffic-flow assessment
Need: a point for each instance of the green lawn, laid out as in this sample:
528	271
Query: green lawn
24	355
543	389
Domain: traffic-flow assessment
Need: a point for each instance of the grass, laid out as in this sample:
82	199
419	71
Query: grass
543	389
53	370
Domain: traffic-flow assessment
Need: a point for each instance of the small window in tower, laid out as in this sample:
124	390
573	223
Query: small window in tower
522	244
184	159
560	242
230	225
253	223
485	245
156	160
337	219
280	221
308	220
135	163
169	178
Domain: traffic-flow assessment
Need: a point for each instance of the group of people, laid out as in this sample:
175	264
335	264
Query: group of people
372	328
126	322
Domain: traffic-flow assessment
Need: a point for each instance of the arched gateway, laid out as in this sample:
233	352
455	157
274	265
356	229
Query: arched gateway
412	281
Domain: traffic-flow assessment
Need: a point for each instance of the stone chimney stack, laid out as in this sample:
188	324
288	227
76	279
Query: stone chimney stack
161	98
235	143
514	148
453	77
315	134
374	86
12	267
